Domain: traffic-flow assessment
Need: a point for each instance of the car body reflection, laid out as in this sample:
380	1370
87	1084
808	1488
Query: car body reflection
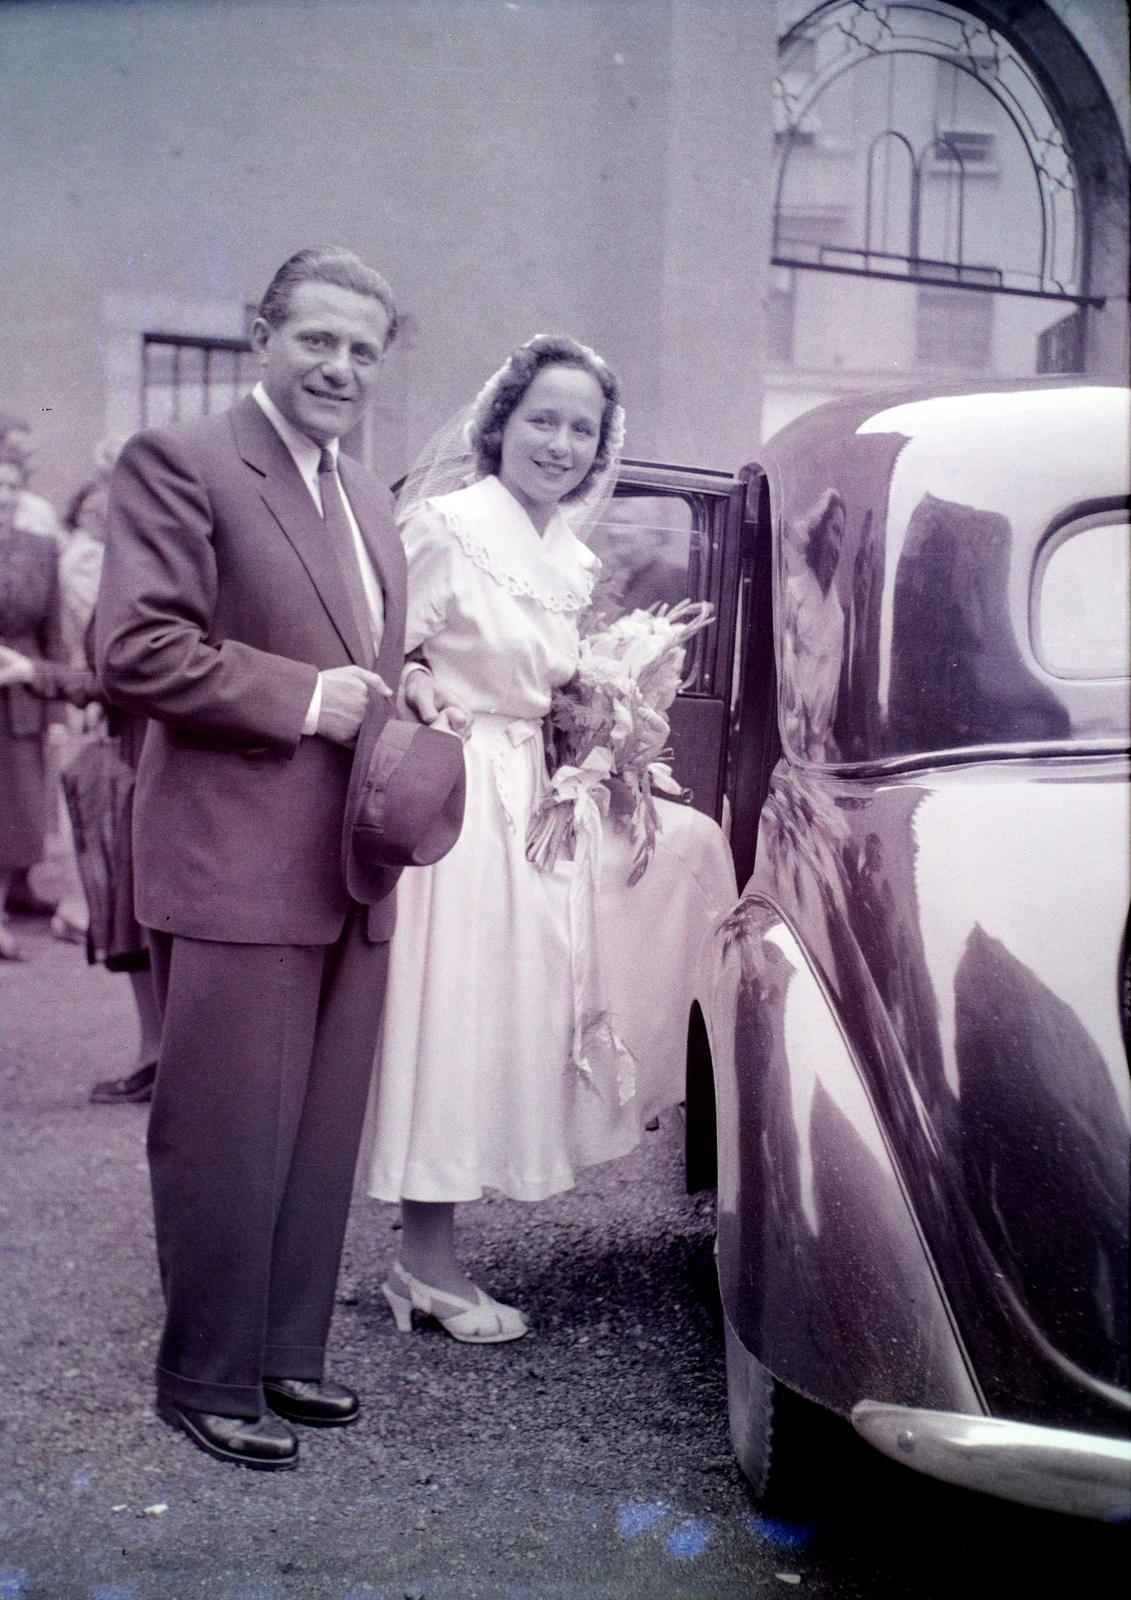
918	1020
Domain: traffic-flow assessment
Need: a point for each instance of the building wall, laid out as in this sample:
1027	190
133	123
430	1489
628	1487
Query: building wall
594	166
604	167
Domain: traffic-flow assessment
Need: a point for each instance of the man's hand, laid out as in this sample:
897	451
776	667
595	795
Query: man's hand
345	699
432	705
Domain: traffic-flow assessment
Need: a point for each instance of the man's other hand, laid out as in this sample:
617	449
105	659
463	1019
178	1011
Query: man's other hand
345	699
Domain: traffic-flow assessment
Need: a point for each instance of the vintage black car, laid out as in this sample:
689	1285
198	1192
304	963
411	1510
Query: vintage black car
911	1053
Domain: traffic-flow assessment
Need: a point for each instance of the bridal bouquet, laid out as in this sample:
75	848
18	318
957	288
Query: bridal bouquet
609	733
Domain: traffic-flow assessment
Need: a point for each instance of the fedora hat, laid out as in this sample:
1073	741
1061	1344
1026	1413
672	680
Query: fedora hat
404	807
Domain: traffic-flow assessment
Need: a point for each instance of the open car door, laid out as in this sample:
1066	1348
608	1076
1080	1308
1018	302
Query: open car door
671	534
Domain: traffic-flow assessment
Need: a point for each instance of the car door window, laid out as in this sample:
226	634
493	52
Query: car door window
644	542
655	550
1083	624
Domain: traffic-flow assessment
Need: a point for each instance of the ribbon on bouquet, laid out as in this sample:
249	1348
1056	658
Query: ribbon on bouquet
599	1054
660	773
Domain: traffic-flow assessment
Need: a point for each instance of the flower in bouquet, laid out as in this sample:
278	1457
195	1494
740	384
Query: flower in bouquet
614	709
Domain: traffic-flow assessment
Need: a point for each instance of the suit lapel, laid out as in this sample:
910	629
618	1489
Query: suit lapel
381	540
289	501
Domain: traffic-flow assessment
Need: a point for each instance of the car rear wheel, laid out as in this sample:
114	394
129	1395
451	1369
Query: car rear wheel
701	1167
754	1399
796	1454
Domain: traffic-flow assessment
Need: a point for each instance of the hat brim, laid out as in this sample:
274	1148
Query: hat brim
405	801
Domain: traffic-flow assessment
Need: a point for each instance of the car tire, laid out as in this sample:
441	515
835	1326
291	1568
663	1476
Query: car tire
754	1400
796	1454
700	1159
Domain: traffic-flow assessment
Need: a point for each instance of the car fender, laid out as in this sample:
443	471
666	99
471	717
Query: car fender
823	1271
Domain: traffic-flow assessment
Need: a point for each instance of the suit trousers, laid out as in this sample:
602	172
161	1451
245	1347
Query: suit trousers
266	1057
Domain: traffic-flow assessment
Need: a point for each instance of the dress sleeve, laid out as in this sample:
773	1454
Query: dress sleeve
431	550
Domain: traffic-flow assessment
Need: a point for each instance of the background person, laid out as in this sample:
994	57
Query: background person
34	514
30	622
80	570
112	933
80	564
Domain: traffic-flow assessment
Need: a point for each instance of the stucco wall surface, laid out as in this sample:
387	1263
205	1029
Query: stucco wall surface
595	166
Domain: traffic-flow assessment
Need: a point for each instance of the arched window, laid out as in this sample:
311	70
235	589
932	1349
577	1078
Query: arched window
930	214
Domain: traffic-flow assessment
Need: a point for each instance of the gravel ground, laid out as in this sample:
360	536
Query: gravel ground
589	1459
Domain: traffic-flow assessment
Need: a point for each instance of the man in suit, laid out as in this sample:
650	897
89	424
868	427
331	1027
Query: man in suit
252	604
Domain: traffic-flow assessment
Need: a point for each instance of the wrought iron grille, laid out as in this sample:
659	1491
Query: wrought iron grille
843	34
187	375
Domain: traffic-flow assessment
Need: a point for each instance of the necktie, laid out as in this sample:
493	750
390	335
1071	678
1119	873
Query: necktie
340	535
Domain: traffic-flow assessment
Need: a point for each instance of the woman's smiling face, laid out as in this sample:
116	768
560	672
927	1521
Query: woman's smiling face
552	436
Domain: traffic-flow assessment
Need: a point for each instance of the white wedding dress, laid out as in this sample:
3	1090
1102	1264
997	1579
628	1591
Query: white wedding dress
474	1086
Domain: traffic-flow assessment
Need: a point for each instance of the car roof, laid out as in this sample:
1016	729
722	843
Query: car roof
836	418
951	503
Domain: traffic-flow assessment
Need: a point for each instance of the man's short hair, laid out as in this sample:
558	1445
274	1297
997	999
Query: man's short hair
326	263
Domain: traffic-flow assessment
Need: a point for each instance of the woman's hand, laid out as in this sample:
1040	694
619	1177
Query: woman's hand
432	705
15	667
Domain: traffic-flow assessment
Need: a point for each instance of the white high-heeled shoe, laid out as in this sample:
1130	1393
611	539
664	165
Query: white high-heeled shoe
479	1321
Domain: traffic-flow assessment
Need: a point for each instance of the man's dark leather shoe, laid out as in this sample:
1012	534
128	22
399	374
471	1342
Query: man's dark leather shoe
262	1442
134	1090
318	1405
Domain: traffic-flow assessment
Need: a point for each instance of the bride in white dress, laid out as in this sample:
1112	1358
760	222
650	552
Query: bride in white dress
474	1084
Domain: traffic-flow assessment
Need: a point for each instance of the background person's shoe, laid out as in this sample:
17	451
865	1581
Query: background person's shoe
262	1442
134	1090
317	1405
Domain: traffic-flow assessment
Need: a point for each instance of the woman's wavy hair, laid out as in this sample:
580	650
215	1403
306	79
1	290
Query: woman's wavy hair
502	393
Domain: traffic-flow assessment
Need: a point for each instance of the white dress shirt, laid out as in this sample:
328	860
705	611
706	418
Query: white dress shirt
306	455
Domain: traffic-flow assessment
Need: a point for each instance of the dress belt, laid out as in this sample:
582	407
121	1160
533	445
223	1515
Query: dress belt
515	731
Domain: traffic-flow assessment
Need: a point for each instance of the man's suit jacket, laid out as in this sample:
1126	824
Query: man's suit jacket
221	600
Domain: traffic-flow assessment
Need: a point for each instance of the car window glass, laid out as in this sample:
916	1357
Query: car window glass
1083	619
652	553
644	542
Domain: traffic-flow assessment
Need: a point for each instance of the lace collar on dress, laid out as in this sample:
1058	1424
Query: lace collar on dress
498	537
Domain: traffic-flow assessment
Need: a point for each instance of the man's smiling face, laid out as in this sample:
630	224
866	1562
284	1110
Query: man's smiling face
320	366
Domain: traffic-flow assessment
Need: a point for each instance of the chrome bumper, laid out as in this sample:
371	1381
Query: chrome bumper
1085	1474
